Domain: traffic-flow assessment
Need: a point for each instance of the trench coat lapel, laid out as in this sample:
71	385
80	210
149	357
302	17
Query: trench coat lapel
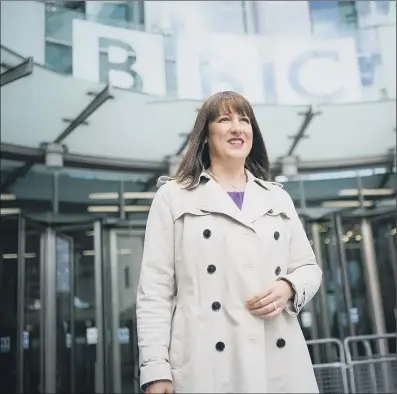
257	200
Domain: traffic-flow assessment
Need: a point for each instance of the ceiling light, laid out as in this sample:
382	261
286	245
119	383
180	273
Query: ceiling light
103	208
345	204
137	208
104	196
7	197
9	256
115	208
9	211
139	195
127	195
366	192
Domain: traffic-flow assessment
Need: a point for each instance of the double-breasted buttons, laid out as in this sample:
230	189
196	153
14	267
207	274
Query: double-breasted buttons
276	235
211	269
206	233
280	343
278	270
220	346
216	306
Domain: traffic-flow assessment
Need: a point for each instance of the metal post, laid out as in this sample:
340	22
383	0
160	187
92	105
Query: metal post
302	193
55	191
21	303
115	320
360	191
99	365
121	200
323	300
392	253
373	285
345	273
49	340
72	272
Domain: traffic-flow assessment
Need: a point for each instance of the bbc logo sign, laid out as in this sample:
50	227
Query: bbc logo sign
130	59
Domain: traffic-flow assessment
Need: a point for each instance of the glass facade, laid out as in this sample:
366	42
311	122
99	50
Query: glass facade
267	23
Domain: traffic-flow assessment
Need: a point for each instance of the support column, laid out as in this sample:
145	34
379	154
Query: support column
323	299
372	276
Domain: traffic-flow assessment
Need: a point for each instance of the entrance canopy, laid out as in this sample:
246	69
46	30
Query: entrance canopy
136	127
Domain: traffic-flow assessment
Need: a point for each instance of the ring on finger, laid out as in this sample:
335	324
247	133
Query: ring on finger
274	305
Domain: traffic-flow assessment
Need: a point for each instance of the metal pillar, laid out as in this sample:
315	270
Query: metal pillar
121	200
49	308
345	273
100	351
372	277
323	300
21	303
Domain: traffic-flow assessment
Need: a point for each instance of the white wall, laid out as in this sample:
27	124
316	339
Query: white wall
23	28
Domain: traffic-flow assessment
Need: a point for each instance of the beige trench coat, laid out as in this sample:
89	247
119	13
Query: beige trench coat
203	258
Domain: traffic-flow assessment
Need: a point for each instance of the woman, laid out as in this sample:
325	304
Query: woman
226	268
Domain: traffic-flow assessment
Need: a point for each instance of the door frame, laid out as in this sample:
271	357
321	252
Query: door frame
48	313
114	381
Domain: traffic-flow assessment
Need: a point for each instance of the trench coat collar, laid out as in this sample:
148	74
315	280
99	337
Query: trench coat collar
258	199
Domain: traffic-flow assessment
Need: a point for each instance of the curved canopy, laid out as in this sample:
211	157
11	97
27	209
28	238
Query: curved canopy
132	126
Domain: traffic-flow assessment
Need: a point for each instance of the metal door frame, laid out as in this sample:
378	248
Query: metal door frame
113	313
21	293
48	312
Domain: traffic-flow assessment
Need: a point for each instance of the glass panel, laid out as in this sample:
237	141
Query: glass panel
32	330
126	257
384	233
64	321
332	281
360	313
77	334
8	302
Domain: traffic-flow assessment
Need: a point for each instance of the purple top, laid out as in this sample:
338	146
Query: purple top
237	197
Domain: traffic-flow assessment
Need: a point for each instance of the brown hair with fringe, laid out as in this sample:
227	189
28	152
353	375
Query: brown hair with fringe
197	157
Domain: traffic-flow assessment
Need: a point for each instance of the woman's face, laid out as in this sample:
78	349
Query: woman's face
230	137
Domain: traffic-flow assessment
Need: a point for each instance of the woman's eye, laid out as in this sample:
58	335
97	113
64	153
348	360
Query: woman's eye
245	120
223	119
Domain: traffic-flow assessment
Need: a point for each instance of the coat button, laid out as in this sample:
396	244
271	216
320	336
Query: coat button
207	233
220	346
216	306
211	269
280	343
276	235
278	270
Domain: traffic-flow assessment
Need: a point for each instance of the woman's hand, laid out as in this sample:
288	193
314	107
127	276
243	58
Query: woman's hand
160	387
272	301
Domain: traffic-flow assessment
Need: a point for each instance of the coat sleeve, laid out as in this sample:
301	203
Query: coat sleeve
155	292
303	273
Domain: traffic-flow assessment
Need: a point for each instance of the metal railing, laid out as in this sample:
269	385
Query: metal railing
331	374
371	372
361	364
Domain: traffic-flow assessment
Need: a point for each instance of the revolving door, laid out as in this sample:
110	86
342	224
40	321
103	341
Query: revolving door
68	305
357	254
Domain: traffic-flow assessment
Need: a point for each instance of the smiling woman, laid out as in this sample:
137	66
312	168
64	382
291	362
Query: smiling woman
223	121
226	269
